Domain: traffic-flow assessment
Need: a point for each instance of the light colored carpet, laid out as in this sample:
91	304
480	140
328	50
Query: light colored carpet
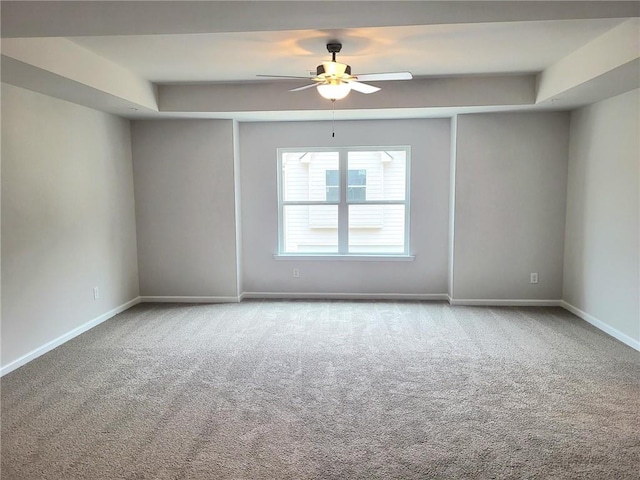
327	390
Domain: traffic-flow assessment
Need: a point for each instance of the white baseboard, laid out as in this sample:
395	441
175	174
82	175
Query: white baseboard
188	299
345	296
10	367
504	302
599	324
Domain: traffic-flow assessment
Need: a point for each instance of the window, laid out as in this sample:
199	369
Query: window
332	186
356	185
343	201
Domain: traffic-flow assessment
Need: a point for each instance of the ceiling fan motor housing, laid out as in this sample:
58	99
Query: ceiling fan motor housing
320	70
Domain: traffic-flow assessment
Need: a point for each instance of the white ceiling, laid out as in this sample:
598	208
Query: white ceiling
199	59
424	50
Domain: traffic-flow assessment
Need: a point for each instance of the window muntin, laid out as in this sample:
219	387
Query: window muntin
344	201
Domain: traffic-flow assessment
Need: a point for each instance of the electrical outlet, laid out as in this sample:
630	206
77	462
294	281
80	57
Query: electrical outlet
96	293
534	278
296	273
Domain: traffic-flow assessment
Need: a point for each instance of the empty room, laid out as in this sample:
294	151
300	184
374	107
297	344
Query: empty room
320	240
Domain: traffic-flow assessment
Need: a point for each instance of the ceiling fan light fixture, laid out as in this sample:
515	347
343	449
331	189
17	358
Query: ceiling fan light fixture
334	91
334	80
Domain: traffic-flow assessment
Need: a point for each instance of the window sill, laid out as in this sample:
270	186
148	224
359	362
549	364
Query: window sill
344	258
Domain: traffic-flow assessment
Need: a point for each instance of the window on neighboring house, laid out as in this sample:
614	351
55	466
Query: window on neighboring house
332	186
342	201
356	185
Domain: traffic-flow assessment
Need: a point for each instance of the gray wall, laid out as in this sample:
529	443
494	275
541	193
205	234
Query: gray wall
510	196
430	144
602	256
185	207
67	218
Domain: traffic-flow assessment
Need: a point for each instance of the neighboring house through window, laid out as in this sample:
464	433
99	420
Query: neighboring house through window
343	201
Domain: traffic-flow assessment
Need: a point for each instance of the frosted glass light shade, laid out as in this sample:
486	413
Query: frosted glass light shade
334	91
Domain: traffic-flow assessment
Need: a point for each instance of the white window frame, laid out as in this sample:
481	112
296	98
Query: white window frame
343	206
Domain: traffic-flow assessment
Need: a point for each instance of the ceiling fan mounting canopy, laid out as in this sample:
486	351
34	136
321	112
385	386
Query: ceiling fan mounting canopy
334	47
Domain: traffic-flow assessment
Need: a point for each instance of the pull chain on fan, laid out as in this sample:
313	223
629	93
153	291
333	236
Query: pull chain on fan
333	118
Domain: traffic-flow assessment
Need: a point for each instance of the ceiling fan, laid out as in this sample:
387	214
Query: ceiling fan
334	80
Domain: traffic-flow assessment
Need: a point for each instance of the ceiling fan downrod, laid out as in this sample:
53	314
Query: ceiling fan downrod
333	48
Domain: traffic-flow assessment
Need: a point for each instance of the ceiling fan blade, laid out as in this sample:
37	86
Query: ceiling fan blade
283	76
304	87
362	87
379	77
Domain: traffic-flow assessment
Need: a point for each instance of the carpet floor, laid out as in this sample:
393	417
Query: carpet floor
327	390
